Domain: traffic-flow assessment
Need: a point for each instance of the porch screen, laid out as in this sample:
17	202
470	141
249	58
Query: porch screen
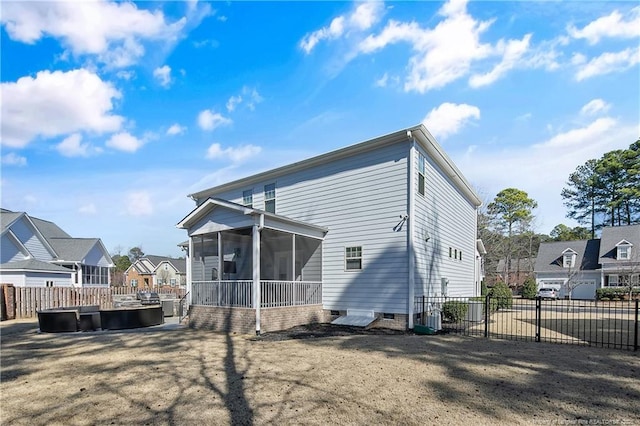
280	262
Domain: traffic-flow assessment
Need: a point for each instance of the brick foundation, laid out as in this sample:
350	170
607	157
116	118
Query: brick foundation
243	320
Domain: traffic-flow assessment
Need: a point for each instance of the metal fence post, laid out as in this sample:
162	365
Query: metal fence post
422	314
487	306
635	333
538	317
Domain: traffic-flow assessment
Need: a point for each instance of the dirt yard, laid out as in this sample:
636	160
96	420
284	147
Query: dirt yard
179	376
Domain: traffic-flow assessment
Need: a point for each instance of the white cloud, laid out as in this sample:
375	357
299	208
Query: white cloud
512	53
57	103
72	146
163	75
613	25
607	63
112	31
594	107
442	54
233	102
124	141
209	120
449	118
382	81
13	159
176	129
138	203
542	169
88	209
236	155
361	18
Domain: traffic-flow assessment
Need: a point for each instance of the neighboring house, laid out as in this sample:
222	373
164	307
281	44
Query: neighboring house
38	253
620	256
519	271
156	271
585	265
359	233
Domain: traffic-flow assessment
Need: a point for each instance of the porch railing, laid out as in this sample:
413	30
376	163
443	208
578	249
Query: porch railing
240	293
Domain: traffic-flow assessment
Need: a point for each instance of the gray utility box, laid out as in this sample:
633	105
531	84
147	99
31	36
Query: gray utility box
474	313
168	307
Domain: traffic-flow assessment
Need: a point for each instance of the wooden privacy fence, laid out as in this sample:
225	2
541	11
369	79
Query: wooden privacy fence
28	300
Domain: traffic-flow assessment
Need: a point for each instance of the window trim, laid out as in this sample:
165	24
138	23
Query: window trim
422	174
247	195
269	197
348	257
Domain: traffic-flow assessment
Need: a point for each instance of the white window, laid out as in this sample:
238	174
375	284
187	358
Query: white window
173	282
613	281
270	198
569	258
353	258
247	198
421	174
49	284
624	252
134	283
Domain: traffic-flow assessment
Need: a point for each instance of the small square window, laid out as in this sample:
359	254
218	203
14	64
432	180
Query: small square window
388	316
353	258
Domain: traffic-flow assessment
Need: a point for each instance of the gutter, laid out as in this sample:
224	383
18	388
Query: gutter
410	229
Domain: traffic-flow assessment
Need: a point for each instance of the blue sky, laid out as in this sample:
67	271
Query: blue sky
112	113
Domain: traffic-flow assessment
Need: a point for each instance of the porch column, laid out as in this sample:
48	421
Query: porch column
255	234
189	270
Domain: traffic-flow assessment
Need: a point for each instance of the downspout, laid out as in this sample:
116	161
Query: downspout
189	273
255	233
410	230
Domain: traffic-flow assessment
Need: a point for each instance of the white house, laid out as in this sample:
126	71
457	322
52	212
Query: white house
37	253
363	231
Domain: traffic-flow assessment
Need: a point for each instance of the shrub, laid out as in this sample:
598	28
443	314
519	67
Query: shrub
483	289
454	310
530	289
503	296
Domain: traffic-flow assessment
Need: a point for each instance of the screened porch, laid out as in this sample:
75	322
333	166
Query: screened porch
223	269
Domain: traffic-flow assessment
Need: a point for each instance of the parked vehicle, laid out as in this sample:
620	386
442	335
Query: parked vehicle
548	293
148	297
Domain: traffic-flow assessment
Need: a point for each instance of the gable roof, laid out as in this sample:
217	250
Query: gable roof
34	265
550	255
269	220
179	264
418	133
73	249
64	247
612	235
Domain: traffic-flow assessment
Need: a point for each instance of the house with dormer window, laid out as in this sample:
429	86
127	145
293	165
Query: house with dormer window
619	256
580	267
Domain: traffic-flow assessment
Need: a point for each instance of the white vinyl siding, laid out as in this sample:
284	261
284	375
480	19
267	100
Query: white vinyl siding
445	227
359	199
9	251
26	235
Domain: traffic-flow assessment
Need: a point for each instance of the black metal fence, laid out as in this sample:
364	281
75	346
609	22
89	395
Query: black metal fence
611	324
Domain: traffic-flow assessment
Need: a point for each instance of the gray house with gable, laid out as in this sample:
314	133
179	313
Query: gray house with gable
585	265
38	253
355	235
